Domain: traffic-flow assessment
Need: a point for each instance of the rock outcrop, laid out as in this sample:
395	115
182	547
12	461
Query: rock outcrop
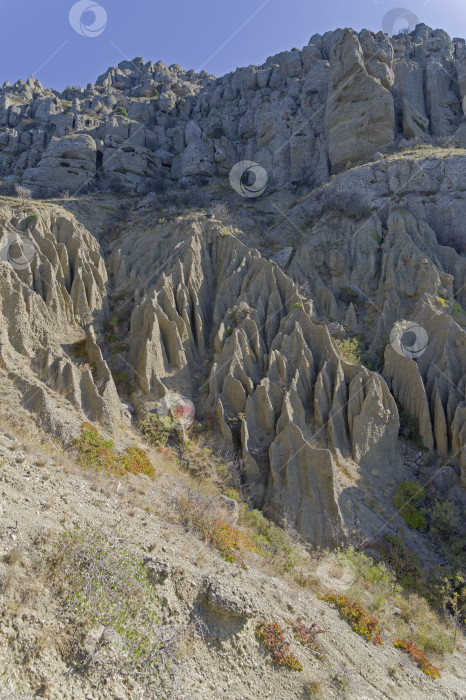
50	297
291	354
301	115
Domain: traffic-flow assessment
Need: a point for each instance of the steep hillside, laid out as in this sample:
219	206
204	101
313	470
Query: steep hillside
271	379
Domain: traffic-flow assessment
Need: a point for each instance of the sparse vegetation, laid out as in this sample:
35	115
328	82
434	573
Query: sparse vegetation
353	350
361	622
31	219
314	689
409	428
409	495
273	541
307	636
105	589
157	431
198	513
272	637
23	193
217	132
402	560
418	657
97	453
121	111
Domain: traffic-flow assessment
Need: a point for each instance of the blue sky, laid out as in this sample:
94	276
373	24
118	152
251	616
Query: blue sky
217	35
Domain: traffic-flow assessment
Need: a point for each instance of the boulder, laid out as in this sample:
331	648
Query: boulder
67	164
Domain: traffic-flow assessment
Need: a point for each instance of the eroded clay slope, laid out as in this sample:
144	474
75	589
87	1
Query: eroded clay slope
52	293
279	387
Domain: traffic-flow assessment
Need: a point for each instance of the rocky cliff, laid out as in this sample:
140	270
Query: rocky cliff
301	115
128	304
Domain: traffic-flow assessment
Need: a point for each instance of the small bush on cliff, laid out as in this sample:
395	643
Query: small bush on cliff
307	636
409	428
409	495
97	453
157	431
273	541
351	610
107	596
353	350
418	657
402	560
273	638
198	513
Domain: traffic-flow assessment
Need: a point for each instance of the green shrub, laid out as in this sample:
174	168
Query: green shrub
353	350
403	561
156	431
121	111
104	586
273	541
445	518
217	132
457	309
409	495
31	219
373	580
97	453
409	428
78	349
122	381
361	622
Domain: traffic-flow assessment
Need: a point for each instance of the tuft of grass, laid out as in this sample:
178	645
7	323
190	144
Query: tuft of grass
273	638
14	556
314	688
273	541
418	657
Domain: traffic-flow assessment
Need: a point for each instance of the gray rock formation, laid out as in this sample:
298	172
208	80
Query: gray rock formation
254	340
301	114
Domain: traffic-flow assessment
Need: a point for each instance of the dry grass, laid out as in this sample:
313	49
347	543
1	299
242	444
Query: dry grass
14	556
315	689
